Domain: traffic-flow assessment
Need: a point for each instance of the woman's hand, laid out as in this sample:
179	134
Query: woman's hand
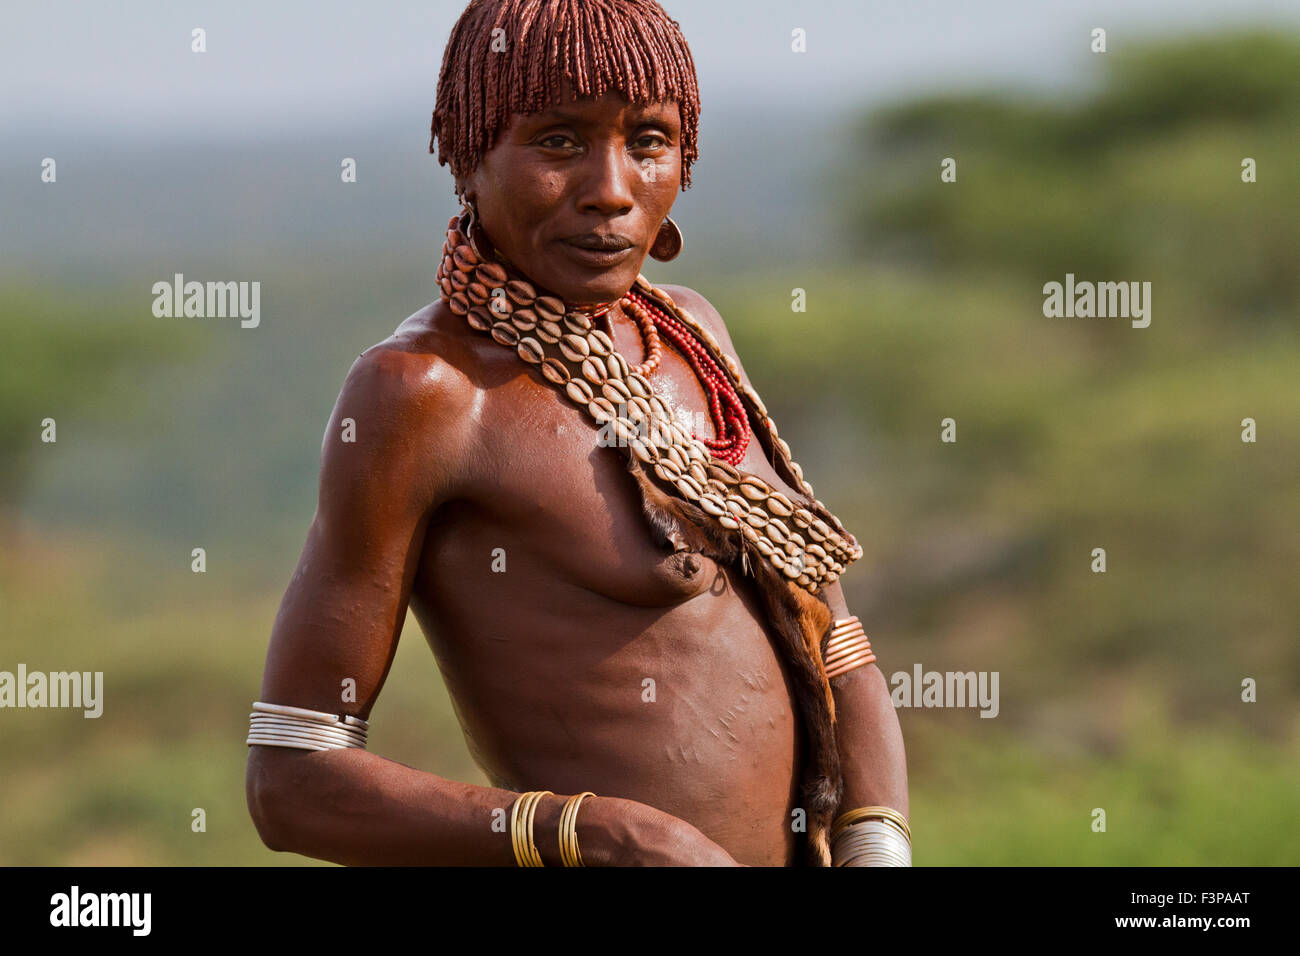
628	833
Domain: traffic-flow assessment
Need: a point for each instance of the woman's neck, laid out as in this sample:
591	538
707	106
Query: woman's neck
601	314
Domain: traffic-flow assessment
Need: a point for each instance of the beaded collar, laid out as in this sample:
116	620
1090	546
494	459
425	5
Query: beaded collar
802	539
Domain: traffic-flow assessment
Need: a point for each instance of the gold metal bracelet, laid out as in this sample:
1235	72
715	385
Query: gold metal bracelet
844	624
847	648
840	670
521	827
850	817
569	853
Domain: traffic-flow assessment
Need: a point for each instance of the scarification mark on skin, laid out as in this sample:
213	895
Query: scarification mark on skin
755	684
700	714
683	755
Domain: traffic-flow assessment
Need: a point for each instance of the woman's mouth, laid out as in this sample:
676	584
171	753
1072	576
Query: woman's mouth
598	250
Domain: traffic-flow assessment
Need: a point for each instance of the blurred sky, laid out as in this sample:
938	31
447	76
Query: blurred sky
125	68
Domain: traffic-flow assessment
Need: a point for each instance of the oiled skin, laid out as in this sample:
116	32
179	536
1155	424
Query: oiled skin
580	654
547	662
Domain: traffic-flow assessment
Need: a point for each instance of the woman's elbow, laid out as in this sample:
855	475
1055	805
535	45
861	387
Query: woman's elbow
264	790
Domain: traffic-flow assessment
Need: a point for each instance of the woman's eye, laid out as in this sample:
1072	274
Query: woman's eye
562	141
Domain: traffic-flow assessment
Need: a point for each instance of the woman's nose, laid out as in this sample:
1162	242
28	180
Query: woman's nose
609	177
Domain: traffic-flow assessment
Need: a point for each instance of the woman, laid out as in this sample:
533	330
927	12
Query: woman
634	606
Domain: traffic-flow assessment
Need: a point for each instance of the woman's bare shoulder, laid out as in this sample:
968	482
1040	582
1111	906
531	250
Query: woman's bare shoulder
421	376
704	312
431	349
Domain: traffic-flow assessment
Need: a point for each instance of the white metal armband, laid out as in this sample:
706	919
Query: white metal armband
277	725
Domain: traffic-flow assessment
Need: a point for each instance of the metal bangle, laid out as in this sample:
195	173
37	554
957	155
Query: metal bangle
850	817
317	715
569	853
279	725
871	843
521	828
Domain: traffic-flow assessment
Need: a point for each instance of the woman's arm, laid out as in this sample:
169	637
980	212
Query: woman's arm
340	620
870	740
360	809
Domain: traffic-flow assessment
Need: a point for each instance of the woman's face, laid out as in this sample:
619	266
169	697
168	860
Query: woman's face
574	196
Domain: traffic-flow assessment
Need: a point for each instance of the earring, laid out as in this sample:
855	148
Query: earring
668	241
469	218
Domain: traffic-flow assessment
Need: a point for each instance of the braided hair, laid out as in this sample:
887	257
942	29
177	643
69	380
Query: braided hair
513	56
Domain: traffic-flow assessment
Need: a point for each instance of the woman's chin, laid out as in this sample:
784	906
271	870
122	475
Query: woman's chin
606	287
581	278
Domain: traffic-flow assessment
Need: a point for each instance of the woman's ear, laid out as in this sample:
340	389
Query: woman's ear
467	186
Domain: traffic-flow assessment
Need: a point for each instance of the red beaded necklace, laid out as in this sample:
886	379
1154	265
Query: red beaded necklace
729	418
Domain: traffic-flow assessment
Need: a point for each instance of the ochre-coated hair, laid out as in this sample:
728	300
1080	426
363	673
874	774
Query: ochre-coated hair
630	46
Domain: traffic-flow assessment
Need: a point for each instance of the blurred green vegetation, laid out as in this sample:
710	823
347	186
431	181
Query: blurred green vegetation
71	358
1083	433
1119	691
182	657
1140	179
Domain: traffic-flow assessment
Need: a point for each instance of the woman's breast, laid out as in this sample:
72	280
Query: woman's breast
551	488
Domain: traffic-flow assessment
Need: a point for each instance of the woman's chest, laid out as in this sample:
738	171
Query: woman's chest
555	478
